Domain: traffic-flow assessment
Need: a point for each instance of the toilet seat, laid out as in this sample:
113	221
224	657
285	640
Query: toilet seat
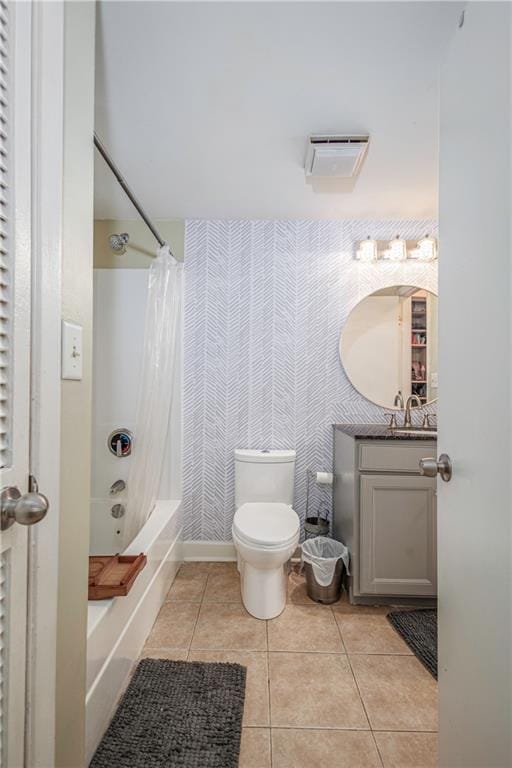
266	524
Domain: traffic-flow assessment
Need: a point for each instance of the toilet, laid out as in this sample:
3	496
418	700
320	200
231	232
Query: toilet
266	528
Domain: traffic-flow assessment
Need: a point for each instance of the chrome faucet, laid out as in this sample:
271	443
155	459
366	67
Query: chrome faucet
410	400
399	400
118	486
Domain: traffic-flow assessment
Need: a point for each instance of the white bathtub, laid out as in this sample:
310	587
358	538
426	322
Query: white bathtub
118	628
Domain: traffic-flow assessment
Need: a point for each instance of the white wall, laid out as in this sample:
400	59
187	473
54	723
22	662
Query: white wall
119	311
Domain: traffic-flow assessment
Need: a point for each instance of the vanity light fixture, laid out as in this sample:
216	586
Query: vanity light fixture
396	250
426	249
367	250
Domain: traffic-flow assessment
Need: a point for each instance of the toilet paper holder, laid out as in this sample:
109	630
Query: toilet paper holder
316	526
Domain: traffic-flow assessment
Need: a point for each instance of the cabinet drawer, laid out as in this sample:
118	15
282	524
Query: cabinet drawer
402	456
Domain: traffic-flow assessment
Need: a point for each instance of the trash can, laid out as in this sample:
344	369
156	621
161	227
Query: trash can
324	562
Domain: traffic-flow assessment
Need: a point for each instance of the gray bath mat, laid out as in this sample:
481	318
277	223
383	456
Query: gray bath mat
419	630
177	714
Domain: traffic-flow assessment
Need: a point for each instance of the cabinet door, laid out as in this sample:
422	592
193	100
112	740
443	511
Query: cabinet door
398	535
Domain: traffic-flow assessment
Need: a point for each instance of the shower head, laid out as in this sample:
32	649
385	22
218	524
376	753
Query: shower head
118	242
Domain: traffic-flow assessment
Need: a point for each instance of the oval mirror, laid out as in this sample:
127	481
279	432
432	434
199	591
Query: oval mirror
388	346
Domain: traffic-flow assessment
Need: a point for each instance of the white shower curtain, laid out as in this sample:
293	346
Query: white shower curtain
155	391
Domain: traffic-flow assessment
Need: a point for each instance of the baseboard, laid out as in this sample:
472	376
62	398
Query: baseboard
221	551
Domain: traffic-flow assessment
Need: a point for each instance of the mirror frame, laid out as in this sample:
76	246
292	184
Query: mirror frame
355	303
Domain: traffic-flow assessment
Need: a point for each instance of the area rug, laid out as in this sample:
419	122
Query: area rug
419	630
177	714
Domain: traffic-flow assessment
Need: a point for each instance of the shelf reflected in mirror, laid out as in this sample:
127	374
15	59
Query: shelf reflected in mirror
388	346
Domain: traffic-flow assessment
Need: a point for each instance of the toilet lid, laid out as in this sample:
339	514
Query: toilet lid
266	523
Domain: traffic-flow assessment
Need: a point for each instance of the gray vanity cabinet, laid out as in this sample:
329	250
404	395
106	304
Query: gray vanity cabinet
397	535
385	512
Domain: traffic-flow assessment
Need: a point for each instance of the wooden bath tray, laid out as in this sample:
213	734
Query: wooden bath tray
113	575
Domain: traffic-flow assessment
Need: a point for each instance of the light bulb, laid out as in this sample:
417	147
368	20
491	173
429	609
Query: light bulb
426	249
396	251
367	250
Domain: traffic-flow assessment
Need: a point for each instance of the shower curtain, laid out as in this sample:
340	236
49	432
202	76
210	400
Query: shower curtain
155	391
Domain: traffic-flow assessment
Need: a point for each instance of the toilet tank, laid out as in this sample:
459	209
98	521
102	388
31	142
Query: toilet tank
264	476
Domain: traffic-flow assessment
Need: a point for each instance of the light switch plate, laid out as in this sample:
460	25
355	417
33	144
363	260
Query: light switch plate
72	352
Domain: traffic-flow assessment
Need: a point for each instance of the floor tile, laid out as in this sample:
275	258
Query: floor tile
305	748
174	626
195	567
304	628
256	709
408	750
255	748
172	654
227	566
228	626
370	634
343	606
313	690
188	587
223	586
398	693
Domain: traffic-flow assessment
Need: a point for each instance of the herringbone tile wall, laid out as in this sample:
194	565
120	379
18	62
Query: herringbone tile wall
265	302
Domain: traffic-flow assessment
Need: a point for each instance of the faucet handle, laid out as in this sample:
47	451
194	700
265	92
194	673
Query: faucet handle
392	420
118	486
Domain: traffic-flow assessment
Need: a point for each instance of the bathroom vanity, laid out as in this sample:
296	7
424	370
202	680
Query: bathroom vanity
385	512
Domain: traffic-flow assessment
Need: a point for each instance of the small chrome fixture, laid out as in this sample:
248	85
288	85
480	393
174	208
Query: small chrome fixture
120	442
117	511
426	422
118	243
124	186
392	422
117	487
429	467
26	509
399	400
410	400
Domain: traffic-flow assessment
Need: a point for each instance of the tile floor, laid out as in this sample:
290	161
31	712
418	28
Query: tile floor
328	686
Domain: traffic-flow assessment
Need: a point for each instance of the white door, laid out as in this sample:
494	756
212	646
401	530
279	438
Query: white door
18	507
474	508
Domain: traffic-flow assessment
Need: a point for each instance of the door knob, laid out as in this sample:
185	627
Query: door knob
25	509
431	467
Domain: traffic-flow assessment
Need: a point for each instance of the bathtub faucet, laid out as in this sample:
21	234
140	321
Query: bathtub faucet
118	486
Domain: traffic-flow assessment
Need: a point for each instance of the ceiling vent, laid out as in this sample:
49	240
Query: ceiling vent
335	155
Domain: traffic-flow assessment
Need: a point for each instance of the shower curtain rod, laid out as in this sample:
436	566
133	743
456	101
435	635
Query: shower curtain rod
117	173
